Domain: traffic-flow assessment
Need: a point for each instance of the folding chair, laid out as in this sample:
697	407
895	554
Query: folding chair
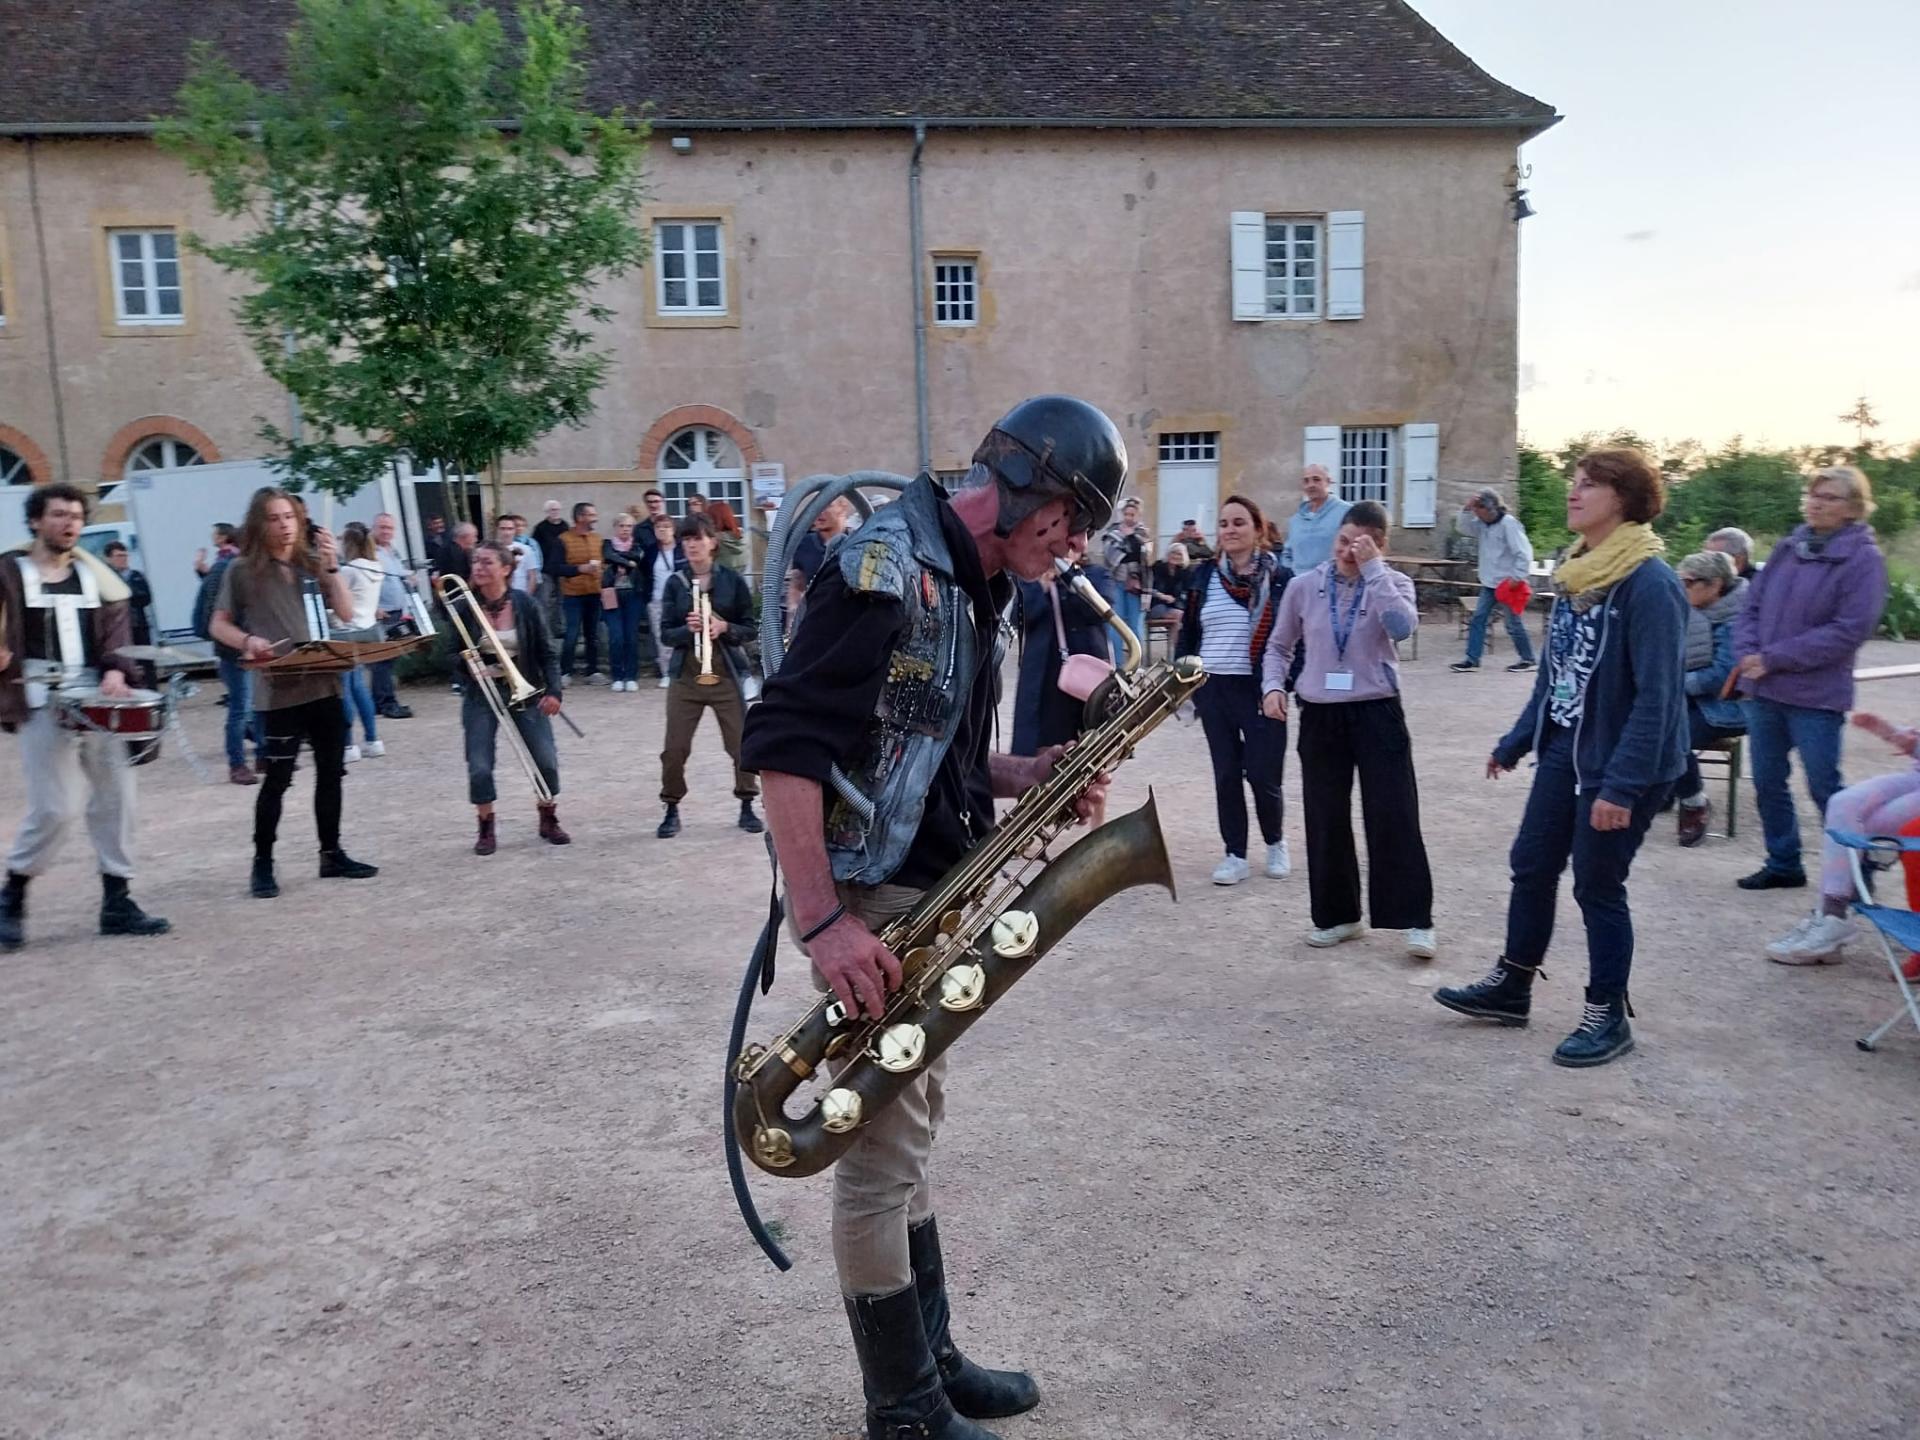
1898	931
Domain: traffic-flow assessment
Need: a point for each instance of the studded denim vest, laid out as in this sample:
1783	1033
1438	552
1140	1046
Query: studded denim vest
902	552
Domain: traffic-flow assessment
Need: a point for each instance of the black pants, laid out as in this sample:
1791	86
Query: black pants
1369	736
1245	745
323	725
1702	732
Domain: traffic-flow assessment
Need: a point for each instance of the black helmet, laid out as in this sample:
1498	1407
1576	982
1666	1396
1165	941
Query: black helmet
1053	446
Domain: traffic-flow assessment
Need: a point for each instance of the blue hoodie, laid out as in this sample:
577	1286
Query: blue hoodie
1310	537
1632	731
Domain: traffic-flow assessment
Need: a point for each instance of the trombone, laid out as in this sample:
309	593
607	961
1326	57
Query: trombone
457	595
703	634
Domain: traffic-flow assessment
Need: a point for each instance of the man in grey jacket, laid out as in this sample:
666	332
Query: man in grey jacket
1505	554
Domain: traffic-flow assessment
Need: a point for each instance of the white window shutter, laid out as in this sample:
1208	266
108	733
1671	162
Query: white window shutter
1323	449
1249	236
1346	264
1420	476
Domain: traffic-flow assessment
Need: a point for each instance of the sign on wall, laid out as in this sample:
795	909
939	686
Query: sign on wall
769	480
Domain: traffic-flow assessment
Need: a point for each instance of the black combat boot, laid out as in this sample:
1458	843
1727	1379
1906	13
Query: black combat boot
120	916
905	1400
338	865
669	823
263	886
13	911
1603	1033
749	821
976	1393
1504	996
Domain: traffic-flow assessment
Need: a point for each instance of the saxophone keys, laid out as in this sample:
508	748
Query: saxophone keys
963	987
835	1014
1015	934
839	1110
900	1048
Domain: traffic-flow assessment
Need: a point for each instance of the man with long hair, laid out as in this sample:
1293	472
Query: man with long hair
282	586
64	613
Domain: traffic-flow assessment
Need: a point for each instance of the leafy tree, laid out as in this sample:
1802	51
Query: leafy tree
1758	490
1862	418
430	209
1541	500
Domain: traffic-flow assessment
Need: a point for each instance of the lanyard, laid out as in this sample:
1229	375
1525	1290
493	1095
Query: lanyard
1342	636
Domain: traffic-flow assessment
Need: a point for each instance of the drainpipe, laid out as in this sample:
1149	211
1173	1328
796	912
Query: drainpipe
919	297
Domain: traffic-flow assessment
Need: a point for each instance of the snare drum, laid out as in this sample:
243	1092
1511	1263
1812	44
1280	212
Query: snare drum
137	713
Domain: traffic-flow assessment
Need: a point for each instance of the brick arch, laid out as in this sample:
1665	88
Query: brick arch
680	418
130	436
38	470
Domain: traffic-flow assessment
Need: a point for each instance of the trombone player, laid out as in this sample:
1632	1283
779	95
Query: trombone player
504	638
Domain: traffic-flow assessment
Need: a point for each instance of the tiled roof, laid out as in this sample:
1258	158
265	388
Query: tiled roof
80	63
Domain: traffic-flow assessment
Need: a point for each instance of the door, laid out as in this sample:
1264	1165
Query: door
1189	484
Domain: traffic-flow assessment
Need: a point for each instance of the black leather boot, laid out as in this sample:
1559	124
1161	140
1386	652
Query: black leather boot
13	911
1504	996
263	886
905	1400
338	865
669	823
977	1393
1602	1035
749	821
120	916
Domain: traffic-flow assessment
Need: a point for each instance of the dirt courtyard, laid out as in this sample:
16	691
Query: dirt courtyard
437	1155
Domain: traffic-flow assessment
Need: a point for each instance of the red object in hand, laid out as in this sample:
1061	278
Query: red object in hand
1514	594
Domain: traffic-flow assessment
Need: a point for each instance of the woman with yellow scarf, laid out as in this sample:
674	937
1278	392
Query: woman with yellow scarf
1607	724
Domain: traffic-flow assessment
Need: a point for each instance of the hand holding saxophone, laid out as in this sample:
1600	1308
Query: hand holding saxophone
1091	803
861	971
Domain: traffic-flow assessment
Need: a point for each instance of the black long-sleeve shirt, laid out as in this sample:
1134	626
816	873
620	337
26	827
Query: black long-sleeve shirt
814	713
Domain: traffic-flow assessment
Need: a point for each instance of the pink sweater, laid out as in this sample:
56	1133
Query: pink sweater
1386	614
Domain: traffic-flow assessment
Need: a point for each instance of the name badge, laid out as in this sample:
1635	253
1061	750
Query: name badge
1339	680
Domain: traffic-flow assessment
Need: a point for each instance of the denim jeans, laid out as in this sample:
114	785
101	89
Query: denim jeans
482	732
583	613
1702	733
1558	826
1247	748
1774	731
356	700
1477	628
623	637
380	678
242	724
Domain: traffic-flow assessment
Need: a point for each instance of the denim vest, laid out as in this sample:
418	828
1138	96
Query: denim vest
901	551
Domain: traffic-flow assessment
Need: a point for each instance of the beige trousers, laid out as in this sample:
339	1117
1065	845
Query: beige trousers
880	1186
71	773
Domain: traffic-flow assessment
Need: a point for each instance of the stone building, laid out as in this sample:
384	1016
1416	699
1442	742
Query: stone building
1258	232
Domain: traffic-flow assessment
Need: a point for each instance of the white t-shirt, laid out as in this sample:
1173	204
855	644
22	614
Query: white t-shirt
1226	632
526	567
363	579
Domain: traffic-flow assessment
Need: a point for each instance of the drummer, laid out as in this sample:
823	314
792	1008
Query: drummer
63	622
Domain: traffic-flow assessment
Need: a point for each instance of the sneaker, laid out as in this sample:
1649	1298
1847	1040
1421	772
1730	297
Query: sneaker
1519	666
593	678
1817	940
1693	823
394	710
1422	944
353	754
1230	871
1279	862
1765	879
1335	934
666	682
1461	667
1602	1035
374	749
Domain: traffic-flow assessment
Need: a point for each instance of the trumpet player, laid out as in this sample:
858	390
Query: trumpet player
518	631
706	616
893	675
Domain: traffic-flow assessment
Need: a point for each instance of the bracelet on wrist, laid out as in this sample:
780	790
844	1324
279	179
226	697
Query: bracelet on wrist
834	917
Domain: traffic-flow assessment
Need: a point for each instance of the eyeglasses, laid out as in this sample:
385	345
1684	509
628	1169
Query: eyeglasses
1829	498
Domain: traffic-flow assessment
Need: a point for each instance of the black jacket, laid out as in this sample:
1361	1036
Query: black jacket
732	602
617	568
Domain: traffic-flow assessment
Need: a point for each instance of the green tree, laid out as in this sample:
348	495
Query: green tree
430	208
1862	418
1541	500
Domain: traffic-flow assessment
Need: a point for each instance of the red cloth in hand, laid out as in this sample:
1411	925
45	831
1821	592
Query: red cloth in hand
1514	594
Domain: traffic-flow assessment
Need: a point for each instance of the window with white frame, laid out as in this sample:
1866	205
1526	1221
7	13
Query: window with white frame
702	461
1366	464
1178	445
146	277
162	452
690	267
13	468
956	290
1294	256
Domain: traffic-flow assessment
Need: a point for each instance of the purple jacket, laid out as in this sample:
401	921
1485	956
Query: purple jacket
1807	615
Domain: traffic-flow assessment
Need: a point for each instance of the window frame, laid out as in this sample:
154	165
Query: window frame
128	469
1389	465
970	261
690	252
106	225
22	476
677	485
654	272
1288	277
1187	447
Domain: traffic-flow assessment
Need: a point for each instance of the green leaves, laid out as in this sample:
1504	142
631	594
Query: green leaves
432	209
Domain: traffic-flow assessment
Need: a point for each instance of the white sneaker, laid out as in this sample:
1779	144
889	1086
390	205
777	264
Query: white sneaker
1421	944
1817	940
374	749
666	682
633	686
1279	862
353	753
1230	871
1334	935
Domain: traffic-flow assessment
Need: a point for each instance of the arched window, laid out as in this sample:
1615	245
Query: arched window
162	452
705	461
13	468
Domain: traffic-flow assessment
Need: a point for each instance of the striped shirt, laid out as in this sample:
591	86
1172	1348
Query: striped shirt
1226	632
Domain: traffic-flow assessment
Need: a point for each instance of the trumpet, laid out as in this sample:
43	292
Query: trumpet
476	640
703	636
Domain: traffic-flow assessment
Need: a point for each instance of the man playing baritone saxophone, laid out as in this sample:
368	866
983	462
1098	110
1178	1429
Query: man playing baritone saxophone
520	630
893	675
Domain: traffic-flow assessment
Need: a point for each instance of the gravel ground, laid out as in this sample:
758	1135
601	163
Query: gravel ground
436	1155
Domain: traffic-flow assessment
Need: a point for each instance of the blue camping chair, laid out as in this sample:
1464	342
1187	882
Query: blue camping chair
1898	931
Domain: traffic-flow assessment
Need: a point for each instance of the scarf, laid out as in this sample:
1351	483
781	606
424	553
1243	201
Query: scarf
1585	575
1252	593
